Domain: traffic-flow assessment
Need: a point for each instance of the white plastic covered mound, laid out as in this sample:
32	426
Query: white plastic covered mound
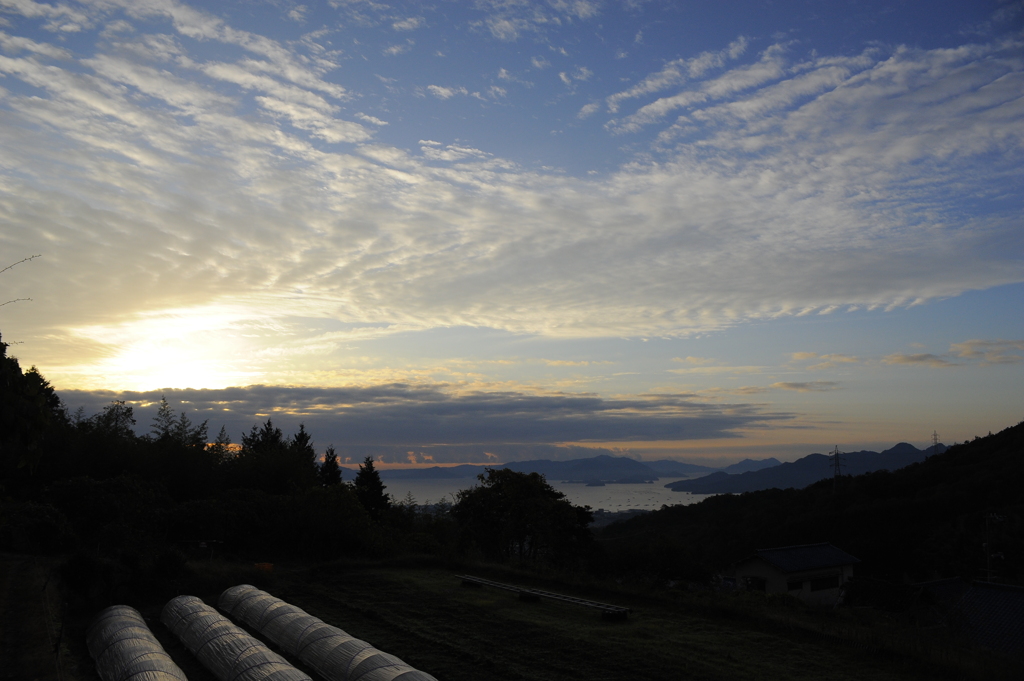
332	653
125	649
224	649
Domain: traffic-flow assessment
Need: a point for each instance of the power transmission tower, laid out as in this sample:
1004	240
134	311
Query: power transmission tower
836	459
935	443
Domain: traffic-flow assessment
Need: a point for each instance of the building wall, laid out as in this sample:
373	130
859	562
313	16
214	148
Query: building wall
812	586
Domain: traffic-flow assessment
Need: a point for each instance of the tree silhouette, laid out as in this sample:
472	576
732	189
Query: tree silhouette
269	462
187	435
29	411
519	515
370	490
163	422
329	471
117	420
17	300
220	450
167	428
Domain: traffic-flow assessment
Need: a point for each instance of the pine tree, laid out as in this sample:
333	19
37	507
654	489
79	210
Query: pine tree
163	422
188	436
302	457
329	471
370	490
220	450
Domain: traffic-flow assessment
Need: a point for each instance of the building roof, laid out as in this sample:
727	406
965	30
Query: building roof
805	557
992	616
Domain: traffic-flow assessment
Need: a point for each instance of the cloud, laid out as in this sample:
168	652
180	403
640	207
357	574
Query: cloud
505	74
573	363
370	119
742	390
587	110
507	21
747	390
582	73
831	361
718	370
990	351
410	24
805	387
400	48
984	352
677	72
14	44
62	19
826	361
922	359
195	167
700	361
770	67
446	92
452	152
431	416
315	121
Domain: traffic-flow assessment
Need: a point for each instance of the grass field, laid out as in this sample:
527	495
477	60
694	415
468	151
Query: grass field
425	616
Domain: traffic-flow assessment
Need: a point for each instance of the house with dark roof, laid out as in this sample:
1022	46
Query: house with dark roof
815	573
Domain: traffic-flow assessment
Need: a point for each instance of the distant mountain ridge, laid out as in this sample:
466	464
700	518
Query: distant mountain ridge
602	468
806	471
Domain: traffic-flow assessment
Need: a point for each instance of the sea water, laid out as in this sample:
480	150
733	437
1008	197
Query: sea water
612	497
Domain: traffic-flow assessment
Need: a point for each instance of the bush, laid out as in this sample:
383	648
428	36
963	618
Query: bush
29	527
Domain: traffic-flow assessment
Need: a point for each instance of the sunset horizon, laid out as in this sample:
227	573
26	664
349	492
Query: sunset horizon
485	232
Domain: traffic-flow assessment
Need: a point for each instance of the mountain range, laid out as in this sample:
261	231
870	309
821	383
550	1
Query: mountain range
596	469
748	475
805	471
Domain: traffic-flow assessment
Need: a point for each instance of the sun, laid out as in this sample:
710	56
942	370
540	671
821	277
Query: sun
181	348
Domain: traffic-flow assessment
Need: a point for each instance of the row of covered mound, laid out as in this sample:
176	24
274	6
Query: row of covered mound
125	649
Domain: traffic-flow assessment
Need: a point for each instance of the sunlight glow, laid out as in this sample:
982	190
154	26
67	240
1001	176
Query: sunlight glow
184	348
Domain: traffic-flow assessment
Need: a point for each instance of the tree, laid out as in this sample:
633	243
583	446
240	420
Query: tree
269	462
117	420
301	446
220	450
262	441
30	411
163	422
179	430
519	515
17	300
329	471
188	436
370	490
105	444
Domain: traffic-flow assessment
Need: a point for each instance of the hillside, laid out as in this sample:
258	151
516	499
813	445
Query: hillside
804	471
928	520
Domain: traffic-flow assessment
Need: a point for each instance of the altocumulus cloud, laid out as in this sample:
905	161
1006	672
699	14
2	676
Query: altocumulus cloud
186	163
806	386
401	417
976	351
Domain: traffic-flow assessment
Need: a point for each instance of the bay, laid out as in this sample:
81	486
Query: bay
613	497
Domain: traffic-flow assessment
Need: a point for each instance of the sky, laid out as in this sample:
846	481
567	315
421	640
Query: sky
512	229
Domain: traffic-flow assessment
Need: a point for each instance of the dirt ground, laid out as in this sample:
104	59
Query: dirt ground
426	617
31	643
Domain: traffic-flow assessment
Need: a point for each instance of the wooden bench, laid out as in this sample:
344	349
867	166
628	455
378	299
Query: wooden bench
608	611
